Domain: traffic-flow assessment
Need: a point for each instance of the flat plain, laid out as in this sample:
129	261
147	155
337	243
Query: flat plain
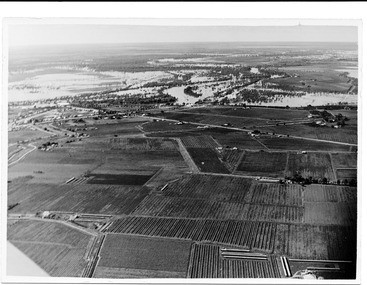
174	163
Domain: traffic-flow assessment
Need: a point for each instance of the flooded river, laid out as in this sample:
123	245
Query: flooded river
291	101
311	99
178	92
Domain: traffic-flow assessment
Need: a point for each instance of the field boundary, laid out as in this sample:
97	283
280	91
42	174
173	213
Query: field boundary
286	165
333	167
186	156
227	220
238	162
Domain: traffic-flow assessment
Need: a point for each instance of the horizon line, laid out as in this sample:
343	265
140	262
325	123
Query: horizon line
179	42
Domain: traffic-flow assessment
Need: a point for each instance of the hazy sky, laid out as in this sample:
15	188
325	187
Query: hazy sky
22	35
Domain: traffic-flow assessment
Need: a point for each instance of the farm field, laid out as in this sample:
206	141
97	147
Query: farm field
328	270
263	113
207	160
143	144
25	134
348	174
18	153
56	248
347	134
324	242
80	198
344	160
252	235
217	188
163	126
116	128
13	150
327	80
163	206
240	140
237	122
206	262
199	142
276	194
55	166
270	164
122	179
330	193
142	254
293	144
330	213
231	157
316	165
183	160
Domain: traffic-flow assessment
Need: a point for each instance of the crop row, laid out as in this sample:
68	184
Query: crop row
316	242
154	205
163	206
277	194
214	119
241	140
346	174
142	144
330	193
264	113
263	163
84	198
207	160
330	213
56	248
230	158
205	262
316	165
255	235
56	260
199	141
286	143
297	241
48	232
92	256
275	213
220	188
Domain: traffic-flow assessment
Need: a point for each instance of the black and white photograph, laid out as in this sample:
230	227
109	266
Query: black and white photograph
178	149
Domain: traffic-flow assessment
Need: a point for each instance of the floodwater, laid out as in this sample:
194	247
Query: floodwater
311	99
178	92
18	264
76	82
292	101
254	70
351	71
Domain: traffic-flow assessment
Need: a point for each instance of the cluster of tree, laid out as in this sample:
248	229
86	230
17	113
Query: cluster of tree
127	101
190	91
351	182
297	178
48	144
11	206
158	99
339	119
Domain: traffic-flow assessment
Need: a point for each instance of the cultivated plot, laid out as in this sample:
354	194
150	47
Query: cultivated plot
124	256
270	164
315	165
57	248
